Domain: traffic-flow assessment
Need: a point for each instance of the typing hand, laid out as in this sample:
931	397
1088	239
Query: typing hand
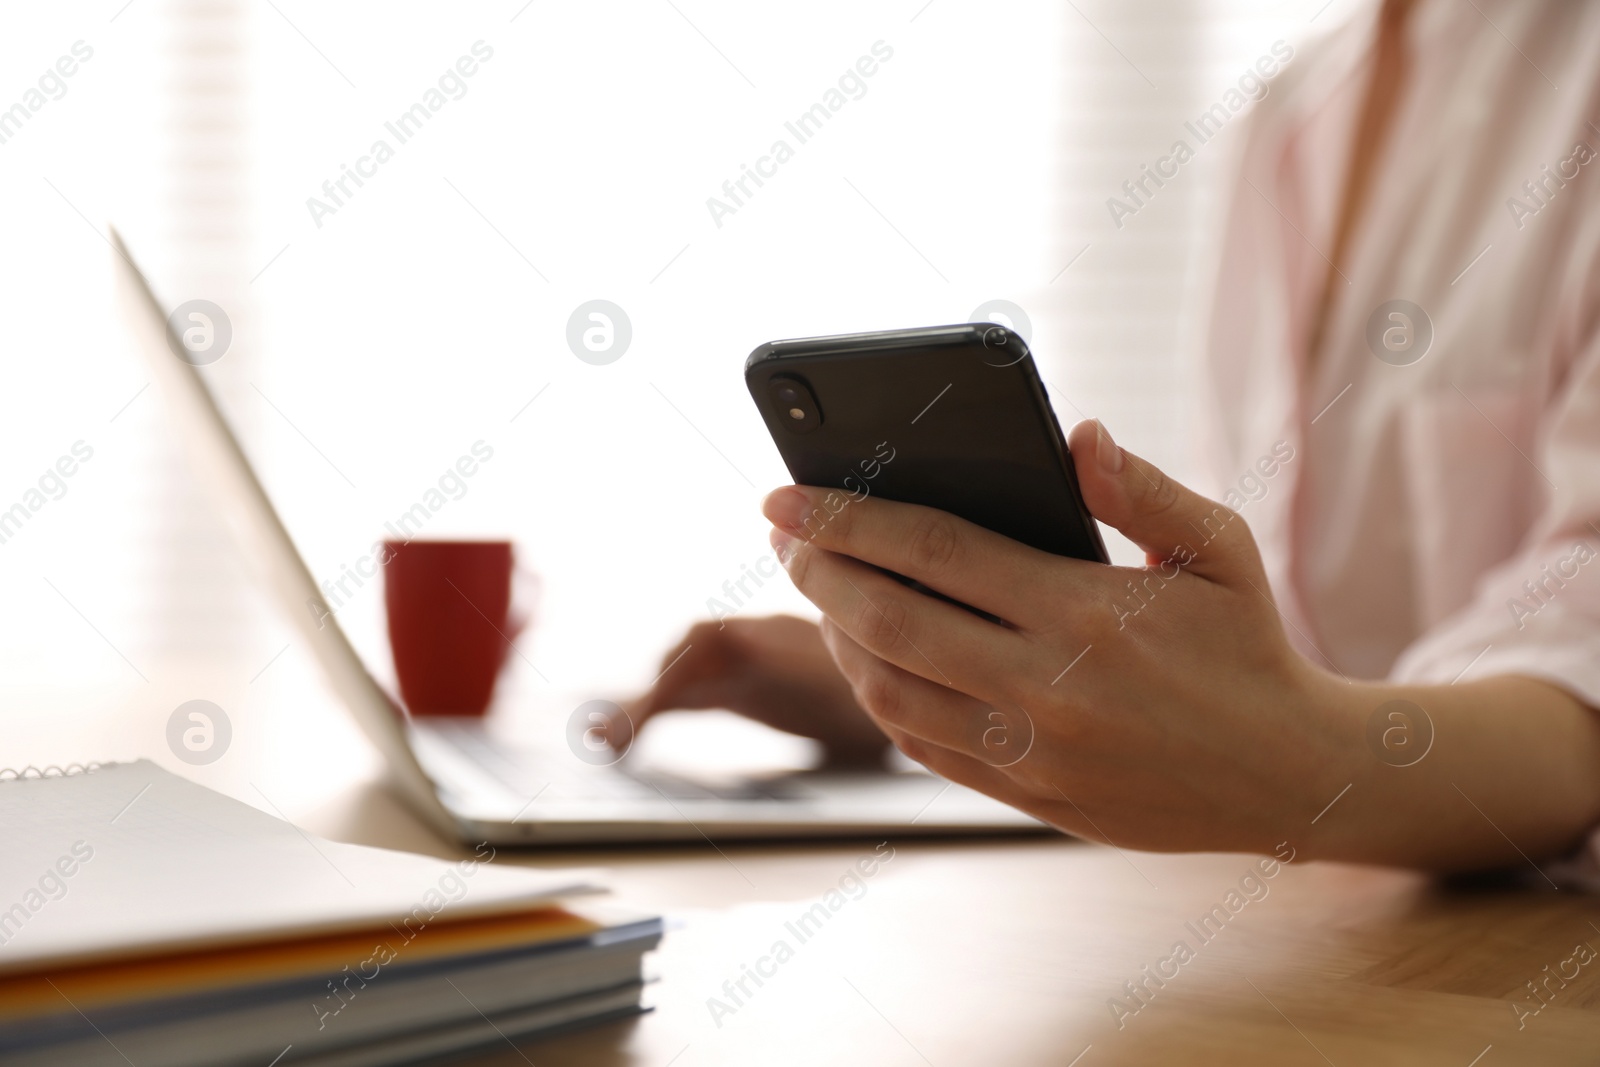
774	670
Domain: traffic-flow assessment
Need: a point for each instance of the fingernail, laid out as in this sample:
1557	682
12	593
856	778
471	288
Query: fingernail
1106	452
782	544
786	508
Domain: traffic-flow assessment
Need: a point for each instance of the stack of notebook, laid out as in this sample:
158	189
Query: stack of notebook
146	919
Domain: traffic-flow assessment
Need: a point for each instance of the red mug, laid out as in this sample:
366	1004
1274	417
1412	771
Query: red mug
450	621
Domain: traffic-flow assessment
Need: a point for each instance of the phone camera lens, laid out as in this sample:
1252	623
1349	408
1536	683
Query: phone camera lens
794	404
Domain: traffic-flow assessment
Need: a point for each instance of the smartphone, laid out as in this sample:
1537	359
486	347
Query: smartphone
949	417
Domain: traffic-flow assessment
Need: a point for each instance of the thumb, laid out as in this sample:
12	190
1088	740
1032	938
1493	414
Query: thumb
1168	520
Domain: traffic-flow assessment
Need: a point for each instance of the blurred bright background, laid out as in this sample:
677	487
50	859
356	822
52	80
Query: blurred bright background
375	345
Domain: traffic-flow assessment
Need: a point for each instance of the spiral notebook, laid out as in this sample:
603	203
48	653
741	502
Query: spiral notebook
143	916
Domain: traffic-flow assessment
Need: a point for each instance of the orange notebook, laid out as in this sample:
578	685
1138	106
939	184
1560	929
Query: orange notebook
92	986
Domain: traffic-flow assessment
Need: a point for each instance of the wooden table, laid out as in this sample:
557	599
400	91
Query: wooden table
1015	952
959	952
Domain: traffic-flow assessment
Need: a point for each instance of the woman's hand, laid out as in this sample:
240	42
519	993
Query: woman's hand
774	670
1158	708
1162	707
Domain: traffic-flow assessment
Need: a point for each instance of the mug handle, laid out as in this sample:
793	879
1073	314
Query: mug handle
526	587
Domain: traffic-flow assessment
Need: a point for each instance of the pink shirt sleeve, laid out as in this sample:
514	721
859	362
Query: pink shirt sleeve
1538	612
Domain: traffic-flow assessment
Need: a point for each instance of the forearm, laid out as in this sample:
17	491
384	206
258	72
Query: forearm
1512	775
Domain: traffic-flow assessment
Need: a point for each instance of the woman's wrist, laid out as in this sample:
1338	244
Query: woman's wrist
1330	711
1501	771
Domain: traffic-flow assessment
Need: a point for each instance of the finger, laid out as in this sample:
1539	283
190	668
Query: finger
899	713
688	676
965	770
701	694
1166	519
907	704
658	695
974	774
923	635
962	560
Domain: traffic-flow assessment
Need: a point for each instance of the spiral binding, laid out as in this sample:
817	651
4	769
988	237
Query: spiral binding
12	774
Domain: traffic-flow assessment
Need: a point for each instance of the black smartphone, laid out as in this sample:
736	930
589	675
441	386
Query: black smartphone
950	417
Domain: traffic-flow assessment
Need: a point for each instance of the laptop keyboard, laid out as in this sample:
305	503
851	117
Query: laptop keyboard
532	773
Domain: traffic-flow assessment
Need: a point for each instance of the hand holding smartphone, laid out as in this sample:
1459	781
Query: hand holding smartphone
949	417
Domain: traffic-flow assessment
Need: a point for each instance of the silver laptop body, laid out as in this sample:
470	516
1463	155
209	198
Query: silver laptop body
474	788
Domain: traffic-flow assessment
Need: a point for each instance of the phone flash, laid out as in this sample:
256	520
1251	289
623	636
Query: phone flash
796	413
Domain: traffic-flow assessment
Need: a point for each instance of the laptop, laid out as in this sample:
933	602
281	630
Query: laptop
476	788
